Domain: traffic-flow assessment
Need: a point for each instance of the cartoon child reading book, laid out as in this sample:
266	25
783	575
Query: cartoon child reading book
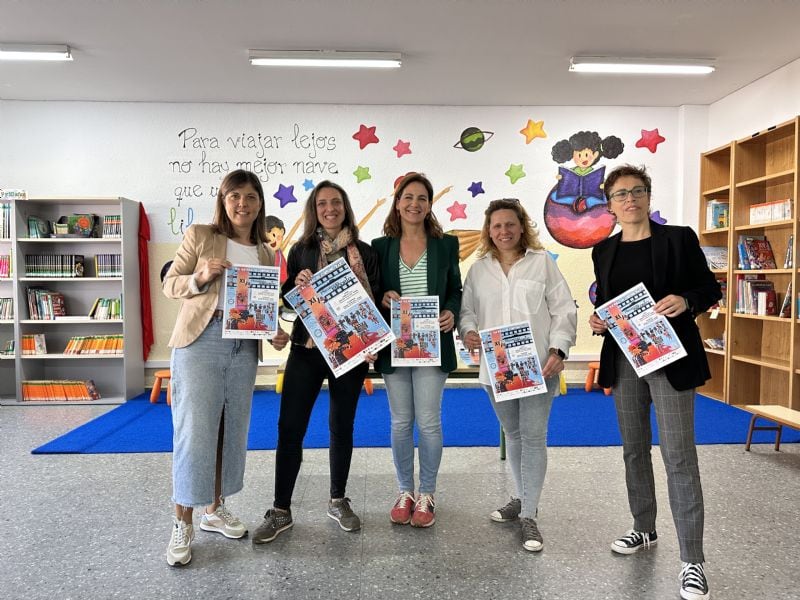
575	211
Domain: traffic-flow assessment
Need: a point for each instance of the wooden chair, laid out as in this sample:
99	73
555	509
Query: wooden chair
159	377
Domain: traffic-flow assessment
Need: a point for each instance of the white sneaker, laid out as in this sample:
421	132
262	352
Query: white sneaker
222	521
179	550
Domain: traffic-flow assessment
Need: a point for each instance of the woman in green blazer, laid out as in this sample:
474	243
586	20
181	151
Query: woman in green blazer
417	259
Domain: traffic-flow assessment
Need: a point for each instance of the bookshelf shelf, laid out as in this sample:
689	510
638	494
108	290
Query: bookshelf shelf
762	271
763	318
101	402
6	357
118	377
714	351
716	230
786	176
769	225
718	191
770	363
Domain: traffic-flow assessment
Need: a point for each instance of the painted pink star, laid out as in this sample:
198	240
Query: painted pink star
650	139
402	148
457	211
365	136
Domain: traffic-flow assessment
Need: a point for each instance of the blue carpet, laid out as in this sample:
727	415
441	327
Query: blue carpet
577	419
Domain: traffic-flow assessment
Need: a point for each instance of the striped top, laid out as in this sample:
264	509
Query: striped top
414	280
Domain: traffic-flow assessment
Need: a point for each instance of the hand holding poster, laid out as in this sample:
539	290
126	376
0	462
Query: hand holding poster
415	324
646	339
340	317
512	361
251	302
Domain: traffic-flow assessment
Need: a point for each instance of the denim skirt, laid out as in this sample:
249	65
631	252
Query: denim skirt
212	380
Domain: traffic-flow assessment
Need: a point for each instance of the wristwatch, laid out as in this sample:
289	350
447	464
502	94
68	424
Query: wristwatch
558	352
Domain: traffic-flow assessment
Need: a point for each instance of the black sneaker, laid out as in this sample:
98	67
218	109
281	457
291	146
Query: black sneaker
339	510
633	541
508	513
693	582
275	522
531	538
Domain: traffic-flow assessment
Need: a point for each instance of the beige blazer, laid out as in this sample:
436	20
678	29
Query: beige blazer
199	244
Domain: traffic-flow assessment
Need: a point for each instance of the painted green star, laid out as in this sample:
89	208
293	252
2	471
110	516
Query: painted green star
515	173
362	173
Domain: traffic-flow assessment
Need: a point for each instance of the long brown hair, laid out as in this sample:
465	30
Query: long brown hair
529	237
392	226
310	221
222	224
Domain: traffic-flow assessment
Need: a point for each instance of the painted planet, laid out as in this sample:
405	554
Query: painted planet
472	139
577	228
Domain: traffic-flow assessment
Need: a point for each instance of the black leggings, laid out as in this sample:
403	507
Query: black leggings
302	381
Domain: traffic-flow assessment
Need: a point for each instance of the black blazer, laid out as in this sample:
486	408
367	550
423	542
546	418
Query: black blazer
444	280
306	256
679	267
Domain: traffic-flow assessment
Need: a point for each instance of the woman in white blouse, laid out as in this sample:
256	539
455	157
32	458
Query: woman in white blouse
515	280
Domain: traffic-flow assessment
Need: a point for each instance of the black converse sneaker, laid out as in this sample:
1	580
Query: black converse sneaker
507	513
693	582
633	541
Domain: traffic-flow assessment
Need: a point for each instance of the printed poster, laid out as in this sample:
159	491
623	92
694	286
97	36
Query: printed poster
340	316
415	324
646	339
512	361
251	302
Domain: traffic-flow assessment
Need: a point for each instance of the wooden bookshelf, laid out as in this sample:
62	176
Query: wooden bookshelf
759	369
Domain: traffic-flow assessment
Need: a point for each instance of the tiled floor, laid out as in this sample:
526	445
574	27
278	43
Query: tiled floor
96	526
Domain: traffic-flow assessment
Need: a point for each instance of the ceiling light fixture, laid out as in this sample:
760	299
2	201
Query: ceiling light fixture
34	52
325	58
639	66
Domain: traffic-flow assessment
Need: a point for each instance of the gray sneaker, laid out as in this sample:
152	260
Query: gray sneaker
339	510
531	538
275	522
508	513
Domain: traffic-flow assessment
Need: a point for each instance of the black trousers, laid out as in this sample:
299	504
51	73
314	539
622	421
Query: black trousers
302	381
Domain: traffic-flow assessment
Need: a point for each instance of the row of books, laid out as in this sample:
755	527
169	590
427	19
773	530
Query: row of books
44	304
112	226
755	252
106	308
717	212
756	295
5	266
54	265
767	212
95	344
33	343
715	343
5	220
7	348
6	309
59	391
108	265
716	257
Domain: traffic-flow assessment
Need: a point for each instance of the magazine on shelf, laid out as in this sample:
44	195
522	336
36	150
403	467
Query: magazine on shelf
717	214
510	355
340	317
788	259
786	306
251	302
415	324
716	256
647	339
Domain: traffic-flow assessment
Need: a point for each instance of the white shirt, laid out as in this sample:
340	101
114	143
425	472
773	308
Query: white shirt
534	291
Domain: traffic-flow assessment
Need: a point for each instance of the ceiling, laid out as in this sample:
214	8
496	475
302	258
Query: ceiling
455	52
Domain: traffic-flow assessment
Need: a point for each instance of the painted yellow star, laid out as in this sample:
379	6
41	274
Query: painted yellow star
533	130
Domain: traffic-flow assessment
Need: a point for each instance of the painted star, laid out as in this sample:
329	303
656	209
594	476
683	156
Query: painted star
656	216
533	130
308	185
402	148
650	139
365	136
285	194
553	255
515	173
457	211
476	188
362	173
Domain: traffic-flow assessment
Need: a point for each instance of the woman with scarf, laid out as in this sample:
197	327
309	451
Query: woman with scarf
330	232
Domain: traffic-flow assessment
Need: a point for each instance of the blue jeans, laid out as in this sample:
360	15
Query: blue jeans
524	422
415	394
212	394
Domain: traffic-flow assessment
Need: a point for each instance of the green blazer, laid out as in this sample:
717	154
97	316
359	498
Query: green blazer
444	280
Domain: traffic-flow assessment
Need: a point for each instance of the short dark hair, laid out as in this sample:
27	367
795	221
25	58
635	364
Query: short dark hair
626	171
392	226
221	223
272	222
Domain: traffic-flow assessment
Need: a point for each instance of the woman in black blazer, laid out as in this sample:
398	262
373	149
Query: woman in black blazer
417	259
669	262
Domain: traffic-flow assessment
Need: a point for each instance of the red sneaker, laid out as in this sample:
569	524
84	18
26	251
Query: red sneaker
401	510
424	511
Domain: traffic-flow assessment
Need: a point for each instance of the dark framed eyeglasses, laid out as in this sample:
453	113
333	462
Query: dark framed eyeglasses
637	193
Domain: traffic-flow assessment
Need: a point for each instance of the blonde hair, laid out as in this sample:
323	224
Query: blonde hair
529	237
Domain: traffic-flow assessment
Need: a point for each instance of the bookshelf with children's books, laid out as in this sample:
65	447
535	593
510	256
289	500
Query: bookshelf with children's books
74	256
7	357
760	362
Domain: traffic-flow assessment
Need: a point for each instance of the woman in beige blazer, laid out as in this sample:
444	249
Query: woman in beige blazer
213	378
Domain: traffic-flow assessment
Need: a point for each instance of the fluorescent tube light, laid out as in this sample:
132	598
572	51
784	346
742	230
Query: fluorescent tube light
650	66
34	52
325	58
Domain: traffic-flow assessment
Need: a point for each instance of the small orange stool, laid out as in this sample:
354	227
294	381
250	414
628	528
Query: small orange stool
159	376
591	378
